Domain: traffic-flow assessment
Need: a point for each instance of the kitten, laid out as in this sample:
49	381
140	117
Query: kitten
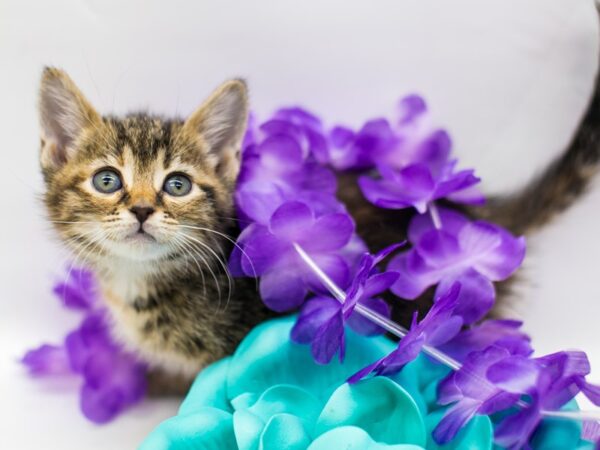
147	204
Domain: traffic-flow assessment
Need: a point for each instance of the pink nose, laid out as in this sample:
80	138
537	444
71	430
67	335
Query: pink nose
142	212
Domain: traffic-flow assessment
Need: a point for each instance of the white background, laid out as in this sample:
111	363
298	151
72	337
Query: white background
508	78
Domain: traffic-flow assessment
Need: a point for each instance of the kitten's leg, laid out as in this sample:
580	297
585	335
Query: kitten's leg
164	384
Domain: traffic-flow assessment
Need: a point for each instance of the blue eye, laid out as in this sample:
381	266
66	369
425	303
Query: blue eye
107	181
177	185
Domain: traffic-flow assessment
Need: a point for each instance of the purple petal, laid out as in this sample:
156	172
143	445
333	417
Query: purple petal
408	349
476	296
469	196
379	283
290	221
362	373
445	331
353	252
282	289
122	386
591	432
496	262
341	136
414	275
259	200
299	116
117	371
277	127
452	223
238	254
314	313
329	232
334	266
100	405
441	324
591	391
373	141
316	178
262	251
317	144
459	181
329	338
382	254
438	248
501	333
280	154
454	420
47	360
478	239
470	380
434	152
365	326
78	292
514	431
411	107
516	374
411	186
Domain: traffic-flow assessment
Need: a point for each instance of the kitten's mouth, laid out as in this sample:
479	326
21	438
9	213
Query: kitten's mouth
140	236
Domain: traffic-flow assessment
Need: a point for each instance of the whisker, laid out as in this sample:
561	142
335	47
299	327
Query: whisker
181	245
205	258
188	239
220	261
92	239
226	237
67	221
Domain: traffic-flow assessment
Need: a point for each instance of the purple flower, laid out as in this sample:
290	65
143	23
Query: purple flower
350	150
591	433
472	253
416	170
494	379
47	360
501	333
556	380
471	392
268	252
275	171
438	327
113	379
416	186
78	291
302	125
321	320
418	141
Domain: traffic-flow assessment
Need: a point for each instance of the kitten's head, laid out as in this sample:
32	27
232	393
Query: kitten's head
140	187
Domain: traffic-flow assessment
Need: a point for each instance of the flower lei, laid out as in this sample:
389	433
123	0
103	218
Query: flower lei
299	239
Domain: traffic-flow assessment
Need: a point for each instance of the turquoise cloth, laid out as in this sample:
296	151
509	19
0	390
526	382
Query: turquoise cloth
271	395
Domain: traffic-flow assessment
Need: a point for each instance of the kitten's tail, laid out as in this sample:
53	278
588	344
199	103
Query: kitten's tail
557	188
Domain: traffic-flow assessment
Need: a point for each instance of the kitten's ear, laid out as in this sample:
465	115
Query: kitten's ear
221	123
64	114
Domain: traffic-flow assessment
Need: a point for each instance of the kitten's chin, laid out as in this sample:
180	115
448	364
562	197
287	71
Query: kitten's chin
138	247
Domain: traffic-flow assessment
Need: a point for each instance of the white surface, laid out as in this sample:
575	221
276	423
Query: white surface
509	79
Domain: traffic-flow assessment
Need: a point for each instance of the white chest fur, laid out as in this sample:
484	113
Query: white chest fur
122	286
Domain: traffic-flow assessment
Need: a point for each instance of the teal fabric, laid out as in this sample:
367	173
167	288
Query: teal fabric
271	395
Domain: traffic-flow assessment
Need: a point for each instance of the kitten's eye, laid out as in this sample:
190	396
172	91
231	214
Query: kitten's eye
177	185
107	181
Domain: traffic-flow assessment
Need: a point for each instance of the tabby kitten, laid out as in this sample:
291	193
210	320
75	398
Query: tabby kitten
147	203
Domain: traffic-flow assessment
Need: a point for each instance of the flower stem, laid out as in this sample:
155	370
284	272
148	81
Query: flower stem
399	331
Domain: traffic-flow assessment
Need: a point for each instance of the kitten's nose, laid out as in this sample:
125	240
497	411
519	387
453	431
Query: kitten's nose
142	212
